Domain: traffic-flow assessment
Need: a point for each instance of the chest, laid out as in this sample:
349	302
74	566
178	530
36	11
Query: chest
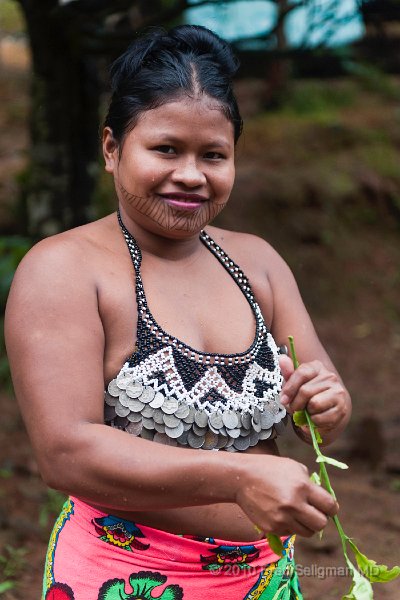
198	302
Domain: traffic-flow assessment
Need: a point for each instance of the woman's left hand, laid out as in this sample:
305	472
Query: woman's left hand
319	390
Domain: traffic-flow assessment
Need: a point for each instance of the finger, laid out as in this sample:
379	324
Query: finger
307	392
286	366
312	519
328	419
303	374
322	401
322	500
302	529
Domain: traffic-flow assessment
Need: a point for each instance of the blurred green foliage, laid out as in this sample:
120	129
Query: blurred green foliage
12	250
11	20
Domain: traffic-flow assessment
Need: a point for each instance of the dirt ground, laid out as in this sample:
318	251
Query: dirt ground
352	290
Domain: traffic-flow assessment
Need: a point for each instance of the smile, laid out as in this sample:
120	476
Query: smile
183	201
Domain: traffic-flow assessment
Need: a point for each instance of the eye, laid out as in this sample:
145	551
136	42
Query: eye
214	155
165	149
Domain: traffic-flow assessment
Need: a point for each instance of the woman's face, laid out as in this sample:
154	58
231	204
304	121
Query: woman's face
175	170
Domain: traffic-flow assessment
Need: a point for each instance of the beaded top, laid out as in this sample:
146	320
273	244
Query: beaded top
171	393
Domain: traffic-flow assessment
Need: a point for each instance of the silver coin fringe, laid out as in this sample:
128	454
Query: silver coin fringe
141	411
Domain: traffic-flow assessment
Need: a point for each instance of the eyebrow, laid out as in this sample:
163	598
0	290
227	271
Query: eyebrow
171	138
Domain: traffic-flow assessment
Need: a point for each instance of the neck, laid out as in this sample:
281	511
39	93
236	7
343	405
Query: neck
167	248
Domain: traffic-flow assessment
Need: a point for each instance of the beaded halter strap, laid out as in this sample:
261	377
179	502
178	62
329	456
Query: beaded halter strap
173	394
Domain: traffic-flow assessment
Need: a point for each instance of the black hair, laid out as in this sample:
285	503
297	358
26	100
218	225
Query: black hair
162	66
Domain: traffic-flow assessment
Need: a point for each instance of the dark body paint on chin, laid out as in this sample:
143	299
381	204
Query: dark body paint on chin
158	211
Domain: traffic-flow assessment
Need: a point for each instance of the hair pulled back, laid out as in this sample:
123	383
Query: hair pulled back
163	66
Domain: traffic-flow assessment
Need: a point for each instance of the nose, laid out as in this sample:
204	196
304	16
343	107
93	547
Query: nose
188	173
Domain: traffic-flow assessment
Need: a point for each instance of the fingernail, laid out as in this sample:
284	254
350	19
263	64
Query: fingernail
284	399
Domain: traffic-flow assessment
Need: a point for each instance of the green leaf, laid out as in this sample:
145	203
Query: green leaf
361	588
275	543
317	436
300	418
375	573
5	586
315	478
331	461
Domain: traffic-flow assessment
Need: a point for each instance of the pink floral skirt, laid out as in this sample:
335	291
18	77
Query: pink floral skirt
97	556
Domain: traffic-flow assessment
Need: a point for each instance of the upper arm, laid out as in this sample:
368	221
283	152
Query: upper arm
290	316
55	344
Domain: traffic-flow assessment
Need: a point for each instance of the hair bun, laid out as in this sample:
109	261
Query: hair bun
201	40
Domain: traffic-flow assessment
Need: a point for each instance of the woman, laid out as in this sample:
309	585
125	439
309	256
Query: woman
151	290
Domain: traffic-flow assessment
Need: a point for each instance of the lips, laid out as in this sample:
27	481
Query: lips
183	200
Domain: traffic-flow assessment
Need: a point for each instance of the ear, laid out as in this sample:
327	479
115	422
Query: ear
110	150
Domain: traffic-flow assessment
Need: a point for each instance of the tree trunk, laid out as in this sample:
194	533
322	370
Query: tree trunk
59	183
279	68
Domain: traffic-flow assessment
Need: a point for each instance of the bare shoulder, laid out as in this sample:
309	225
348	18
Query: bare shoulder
248	250
62	256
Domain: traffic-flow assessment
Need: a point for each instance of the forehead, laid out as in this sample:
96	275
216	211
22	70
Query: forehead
201	116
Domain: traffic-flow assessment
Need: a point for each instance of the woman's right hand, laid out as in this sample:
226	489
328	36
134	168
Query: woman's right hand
278	497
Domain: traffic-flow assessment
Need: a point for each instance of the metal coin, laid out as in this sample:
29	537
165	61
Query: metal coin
134	389
134	428
256	415
246	420
110	400
136	405
230	448
229	442
134	417
158	400
190	417
113	389
244	432
280	416
265	434
171	421
199	430
254	437
267	419
223	431
222	441
169	406
158	415
234	433
124	399
230	419
148	423
162	438
210	440
186	426
183	439
212	428
195	441
215	419
256	426
121	411
147	411
174	432
242	443
160	427
123	380
121	422
182	411
274	407
147	395
109	412
201	418
280	427
147	434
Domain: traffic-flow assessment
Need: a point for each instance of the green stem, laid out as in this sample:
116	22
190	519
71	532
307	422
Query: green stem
323	469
